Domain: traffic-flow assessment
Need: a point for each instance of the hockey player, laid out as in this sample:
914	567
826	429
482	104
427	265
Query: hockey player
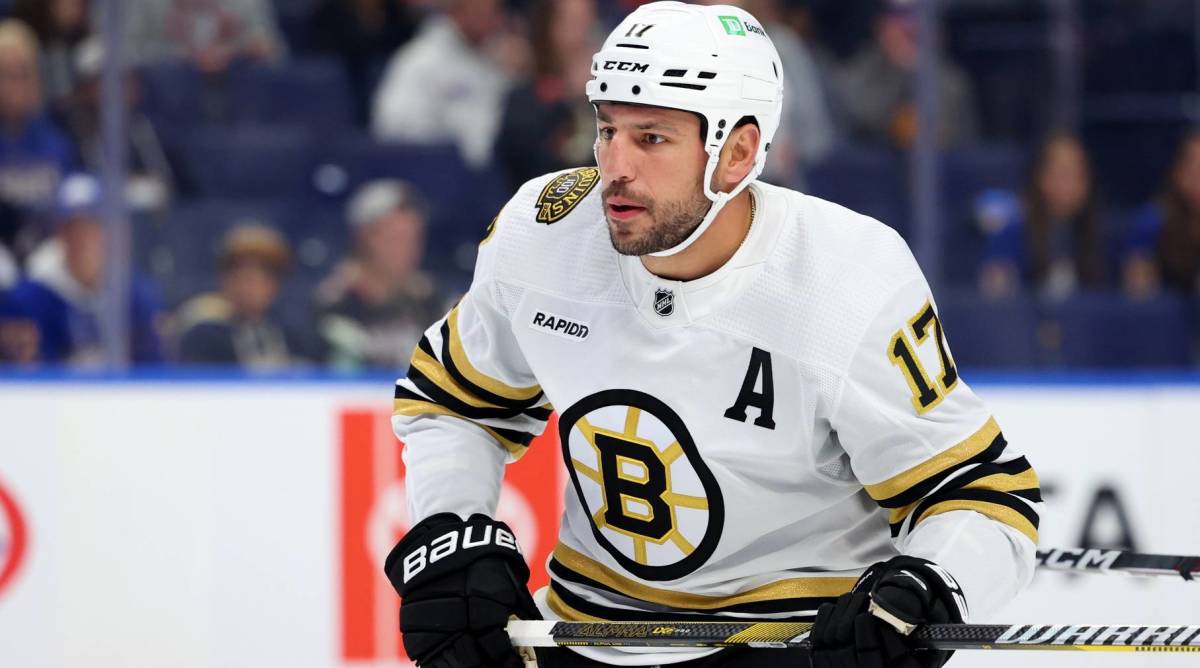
757	405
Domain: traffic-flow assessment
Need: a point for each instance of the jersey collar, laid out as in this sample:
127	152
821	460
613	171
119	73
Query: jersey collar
664	303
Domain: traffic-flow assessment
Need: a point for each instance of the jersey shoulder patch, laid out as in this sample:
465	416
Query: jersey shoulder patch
563	193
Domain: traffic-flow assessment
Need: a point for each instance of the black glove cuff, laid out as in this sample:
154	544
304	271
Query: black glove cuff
445	543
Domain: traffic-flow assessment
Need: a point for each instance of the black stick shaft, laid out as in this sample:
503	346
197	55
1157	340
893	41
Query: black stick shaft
1118	561
1104	638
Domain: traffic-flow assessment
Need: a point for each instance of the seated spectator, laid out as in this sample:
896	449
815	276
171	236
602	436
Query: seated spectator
211	34
1049	239
150	180
548	123
236	326
34	152
877	86
60	25
1164	248
63	294
444	86
364	34
375	305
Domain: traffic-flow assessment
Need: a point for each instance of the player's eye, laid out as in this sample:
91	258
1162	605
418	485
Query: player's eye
654	139
605	133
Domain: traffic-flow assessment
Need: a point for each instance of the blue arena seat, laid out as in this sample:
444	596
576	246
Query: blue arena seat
311	91
989	333
1111	331
245	160
868	179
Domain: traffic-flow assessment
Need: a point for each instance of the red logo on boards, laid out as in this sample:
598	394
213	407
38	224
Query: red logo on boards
12	539
374	514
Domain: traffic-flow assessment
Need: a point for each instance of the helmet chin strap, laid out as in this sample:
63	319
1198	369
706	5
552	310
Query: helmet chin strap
718	199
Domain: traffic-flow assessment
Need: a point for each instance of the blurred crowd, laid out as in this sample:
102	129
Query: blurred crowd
307	178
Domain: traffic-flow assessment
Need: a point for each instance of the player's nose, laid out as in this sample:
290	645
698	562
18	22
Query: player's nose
616	161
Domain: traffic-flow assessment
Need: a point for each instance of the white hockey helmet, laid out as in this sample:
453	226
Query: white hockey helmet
715	61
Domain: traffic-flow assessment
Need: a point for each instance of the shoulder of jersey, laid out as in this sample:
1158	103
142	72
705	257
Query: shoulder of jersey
552	220
848	239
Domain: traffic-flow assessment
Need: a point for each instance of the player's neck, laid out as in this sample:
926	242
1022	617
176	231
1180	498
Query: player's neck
712	250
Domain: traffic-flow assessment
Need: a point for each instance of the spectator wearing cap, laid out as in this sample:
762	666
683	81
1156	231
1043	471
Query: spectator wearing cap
34	152
236	326
376	304
877	87
63	294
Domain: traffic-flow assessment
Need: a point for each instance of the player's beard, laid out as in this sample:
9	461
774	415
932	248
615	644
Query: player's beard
671	222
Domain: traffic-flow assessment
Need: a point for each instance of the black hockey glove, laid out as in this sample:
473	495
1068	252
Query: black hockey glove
906	592
459	582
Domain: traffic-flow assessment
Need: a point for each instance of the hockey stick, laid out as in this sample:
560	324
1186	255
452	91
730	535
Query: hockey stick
1095	560
1099	638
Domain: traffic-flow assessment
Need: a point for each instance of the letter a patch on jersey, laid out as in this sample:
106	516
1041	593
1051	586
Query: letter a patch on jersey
564	193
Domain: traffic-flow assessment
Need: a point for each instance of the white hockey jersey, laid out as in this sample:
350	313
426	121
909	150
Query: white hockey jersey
743	444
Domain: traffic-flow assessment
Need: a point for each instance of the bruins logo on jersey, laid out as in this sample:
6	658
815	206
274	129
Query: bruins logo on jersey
654	504
564	193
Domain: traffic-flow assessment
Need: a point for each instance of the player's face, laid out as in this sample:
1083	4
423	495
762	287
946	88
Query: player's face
651	167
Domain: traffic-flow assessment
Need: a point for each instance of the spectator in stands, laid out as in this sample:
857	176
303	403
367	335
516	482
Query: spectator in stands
63	295
877	86
1164	248
236	326
60	25
444	86
548	123
1050	238
364	34
34	152
375	305
150	180
211	34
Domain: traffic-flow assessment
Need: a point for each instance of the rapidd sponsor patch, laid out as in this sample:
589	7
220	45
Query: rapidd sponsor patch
564	193
560	326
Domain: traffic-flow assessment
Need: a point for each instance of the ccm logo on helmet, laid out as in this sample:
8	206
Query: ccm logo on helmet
625	66
447	544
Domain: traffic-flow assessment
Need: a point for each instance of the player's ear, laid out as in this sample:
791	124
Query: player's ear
737	155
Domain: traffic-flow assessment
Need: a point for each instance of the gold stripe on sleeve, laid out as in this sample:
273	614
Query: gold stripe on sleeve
463	364
438	375
965	450
1002	514
413	408
1004	482
783	589
997	482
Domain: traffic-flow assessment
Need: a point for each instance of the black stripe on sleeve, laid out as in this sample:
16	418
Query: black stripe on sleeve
922	488
1006	499
448	362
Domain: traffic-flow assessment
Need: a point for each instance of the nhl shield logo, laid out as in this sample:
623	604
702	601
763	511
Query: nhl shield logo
664	302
